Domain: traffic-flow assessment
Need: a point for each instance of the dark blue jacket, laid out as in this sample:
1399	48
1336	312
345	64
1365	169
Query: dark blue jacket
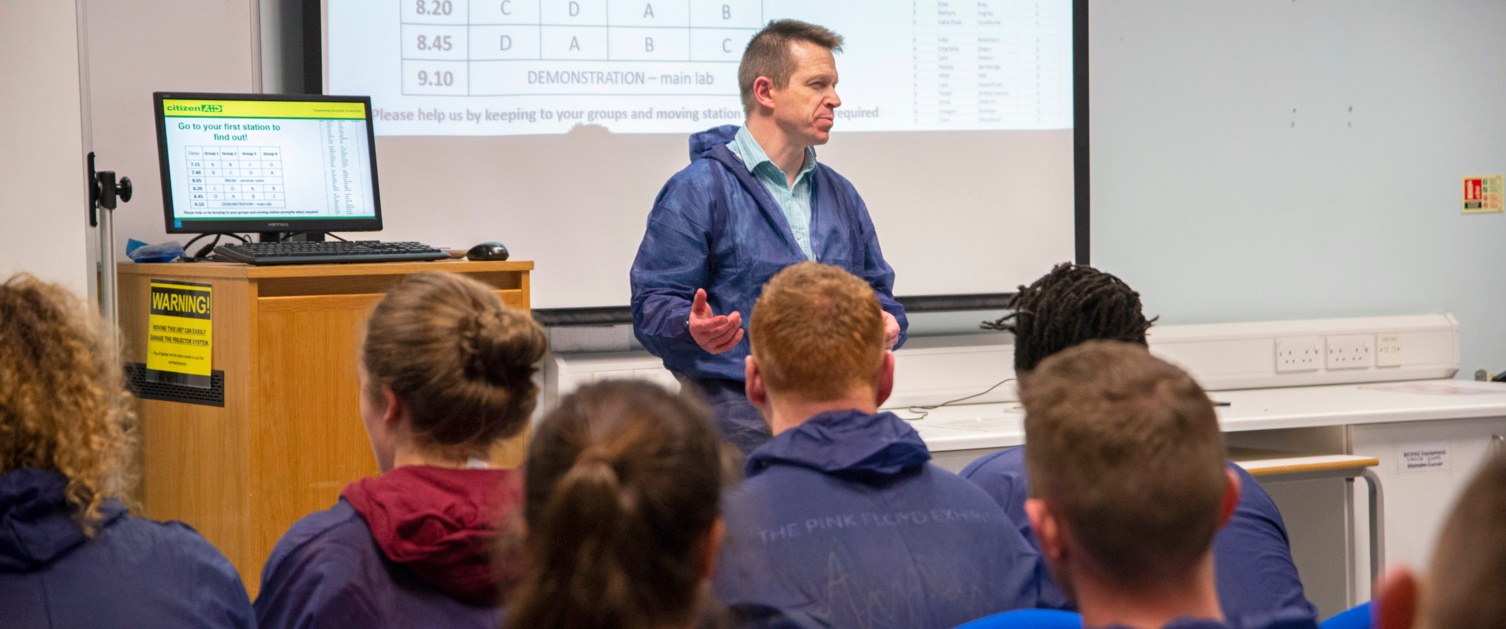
418	546
714	226
842	520
1290	619
1252	557
1043	619
327	571
133	573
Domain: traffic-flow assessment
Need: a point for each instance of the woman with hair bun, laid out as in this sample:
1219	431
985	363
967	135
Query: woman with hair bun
446	371
622	486
70	554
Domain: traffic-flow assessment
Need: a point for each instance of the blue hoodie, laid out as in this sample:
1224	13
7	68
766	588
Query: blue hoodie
843	520
133	573
715	226
1252	558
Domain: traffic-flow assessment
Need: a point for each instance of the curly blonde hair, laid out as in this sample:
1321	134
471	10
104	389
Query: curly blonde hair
63	406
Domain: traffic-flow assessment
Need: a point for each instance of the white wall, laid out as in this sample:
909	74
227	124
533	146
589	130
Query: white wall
1232	181
136	48
43	228
133	49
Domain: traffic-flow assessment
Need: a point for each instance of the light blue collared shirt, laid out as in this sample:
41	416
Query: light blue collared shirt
794	201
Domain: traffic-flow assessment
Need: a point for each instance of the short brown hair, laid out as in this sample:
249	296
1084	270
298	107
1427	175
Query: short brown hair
1128	449
63	405
1468	574
622	488
461	360
768	54
817	332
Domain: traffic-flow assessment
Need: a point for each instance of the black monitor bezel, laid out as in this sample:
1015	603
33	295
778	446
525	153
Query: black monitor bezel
244	225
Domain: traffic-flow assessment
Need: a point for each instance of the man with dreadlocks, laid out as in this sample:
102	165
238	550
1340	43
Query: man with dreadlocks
1074	304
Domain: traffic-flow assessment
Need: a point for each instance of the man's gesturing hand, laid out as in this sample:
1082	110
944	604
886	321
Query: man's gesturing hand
891	331
713	332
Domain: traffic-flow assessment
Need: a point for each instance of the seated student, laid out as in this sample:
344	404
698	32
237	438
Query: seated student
70	554
1128	483
622	488
1465	587
1073	304
445	372
842	520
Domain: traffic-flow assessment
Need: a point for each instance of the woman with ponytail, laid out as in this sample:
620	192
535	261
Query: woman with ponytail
621	494
446	371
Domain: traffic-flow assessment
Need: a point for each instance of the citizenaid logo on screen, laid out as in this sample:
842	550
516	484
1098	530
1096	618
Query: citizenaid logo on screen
205	108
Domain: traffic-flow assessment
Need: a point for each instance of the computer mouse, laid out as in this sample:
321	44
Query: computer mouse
491	250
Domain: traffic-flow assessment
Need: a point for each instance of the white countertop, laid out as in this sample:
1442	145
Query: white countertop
994	426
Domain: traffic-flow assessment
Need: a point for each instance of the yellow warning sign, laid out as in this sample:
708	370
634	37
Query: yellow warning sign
1483	194
181	337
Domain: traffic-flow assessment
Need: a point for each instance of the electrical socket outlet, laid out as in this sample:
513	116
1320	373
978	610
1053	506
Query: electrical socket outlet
1351	351
1298	353
1388	349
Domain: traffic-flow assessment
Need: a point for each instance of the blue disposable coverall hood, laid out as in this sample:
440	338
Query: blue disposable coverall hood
843	521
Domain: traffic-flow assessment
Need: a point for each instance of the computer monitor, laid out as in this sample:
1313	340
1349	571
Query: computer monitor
266	163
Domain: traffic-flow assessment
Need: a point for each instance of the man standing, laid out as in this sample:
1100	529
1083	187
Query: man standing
753	201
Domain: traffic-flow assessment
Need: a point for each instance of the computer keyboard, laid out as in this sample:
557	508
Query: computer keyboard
329	252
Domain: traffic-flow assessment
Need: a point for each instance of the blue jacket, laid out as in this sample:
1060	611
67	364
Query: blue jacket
714	226
398	550
1290	619
1052	619
1252	556
133	573
843	521
328	572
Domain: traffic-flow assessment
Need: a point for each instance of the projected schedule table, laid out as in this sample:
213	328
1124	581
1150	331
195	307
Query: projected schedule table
462	48
972	63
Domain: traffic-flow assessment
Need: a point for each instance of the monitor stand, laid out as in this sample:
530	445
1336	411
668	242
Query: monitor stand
281	236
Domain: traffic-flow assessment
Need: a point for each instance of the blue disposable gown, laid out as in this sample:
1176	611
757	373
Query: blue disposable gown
843	521
714	226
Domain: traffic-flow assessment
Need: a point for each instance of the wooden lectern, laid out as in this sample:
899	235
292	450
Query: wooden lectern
287	436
